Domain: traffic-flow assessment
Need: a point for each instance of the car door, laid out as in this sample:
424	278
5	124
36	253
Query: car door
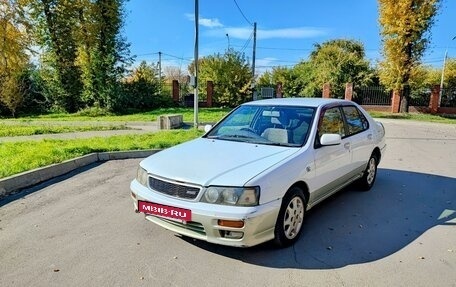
360	137
331	162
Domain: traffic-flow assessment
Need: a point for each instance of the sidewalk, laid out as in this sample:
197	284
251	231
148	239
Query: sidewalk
132	128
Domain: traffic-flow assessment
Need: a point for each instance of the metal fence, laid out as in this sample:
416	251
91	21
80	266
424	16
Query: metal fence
448	99
372	96
420	97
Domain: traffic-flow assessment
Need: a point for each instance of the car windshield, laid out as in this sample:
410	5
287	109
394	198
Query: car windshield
269	125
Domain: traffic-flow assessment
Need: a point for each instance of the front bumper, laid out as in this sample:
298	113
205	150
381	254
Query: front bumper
259	221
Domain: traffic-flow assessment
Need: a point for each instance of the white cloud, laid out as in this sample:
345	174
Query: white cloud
286	33
244	33
206	22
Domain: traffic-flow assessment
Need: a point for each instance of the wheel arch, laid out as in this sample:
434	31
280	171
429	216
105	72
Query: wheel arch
305	189
376	152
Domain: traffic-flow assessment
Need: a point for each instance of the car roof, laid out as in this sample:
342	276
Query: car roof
306	102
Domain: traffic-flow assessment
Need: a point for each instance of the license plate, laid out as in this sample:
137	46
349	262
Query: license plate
164	210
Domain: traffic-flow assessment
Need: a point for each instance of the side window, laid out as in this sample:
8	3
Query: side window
356	122
332	123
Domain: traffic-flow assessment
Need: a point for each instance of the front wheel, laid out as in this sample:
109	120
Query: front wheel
367	181
291	216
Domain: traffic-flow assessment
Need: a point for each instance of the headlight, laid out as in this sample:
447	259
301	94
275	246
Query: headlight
142	176
242	196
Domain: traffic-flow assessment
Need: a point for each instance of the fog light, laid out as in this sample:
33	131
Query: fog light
231	234
231	223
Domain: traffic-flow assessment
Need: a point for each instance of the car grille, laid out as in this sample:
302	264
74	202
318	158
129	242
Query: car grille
190	225
172	189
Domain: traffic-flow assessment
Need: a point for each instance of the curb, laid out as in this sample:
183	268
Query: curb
11	184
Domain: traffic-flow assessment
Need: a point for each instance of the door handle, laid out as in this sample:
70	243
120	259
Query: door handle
369	136
347	145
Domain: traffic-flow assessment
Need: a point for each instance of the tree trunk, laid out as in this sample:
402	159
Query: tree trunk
405	99
404	107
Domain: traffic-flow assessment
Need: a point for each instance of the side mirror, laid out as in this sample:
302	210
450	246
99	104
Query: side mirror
330	139
207	128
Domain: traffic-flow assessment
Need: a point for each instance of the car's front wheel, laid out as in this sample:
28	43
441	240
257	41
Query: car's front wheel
367	181
291	216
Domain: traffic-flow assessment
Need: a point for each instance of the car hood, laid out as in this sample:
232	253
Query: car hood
215	162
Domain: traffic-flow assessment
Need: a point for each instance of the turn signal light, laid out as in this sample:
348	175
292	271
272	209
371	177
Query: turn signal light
231	223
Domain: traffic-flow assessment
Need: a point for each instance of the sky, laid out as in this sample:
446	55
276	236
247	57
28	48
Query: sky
287	30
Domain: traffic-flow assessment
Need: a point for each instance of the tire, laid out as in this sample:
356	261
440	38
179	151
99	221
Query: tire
291	217
370	174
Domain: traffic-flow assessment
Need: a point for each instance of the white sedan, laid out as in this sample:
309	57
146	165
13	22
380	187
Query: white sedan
252	177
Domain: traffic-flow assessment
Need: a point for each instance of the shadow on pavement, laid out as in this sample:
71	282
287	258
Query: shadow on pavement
355	227
24	192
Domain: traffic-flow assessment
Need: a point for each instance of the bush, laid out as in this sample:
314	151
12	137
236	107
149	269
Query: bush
94	112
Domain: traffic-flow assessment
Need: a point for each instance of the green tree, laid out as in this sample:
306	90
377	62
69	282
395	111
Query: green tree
104	52
450	73
84	53
338	62
141	90
55	22
14	42
405	28
231	75
295	81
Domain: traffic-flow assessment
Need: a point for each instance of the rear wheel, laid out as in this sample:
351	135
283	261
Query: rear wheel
368	179
291	216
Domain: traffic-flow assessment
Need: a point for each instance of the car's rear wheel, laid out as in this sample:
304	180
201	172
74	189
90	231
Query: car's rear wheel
370	174
291	216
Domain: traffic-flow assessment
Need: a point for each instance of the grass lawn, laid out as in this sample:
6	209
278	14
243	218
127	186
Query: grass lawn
9	129
22	156
205	115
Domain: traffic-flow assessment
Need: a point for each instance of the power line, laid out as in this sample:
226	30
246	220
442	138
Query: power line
169	55
242	13
247	42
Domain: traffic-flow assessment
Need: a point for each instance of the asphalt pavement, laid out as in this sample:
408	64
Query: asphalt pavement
130	128
80	230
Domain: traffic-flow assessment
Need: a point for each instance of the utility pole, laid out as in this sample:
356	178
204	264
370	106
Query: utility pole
253	58
159	72
228	37
443	73
195	98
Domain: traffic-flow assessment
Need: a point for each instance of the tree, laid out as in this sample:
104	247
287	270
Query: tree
84	56
141	89
405	28
450	73
107	52
14	43
231	75
175	73
55	22
295	81
338	62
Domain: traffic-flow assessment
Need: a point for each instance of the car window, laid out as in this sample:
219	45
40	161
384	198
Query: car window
356	122
269	125
332	123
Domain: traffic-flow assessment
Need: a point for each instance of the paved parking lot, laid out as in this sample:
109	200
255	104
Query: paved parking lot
80	230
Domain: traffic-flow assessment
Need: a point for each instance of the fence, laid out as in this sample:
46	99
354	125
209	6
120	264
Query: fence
448	99
370	96
419	98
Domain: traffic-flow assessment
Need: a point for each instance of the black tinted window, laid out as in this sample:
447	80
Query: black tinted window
332	123
356	122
